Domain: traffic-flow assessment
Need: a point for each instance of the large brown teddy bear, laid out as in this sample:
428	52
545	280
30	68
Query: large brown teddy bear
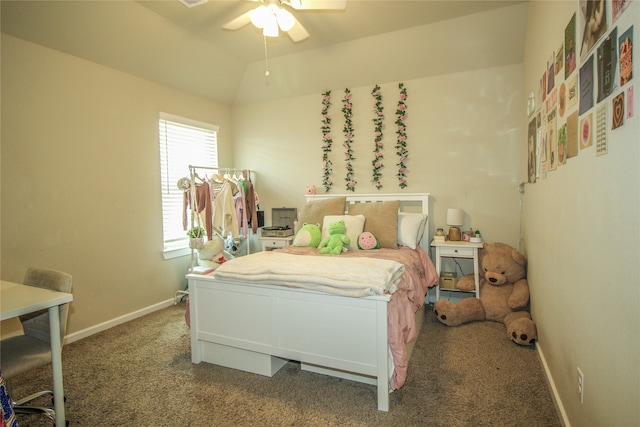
504	295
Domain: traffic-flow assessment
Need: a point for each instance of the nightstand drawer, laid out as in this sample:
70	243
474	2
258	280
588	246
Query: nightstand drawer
456	252
269	243
275	243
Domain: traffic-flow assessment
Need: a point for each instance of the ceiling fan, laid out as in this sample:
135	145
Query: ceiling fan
273	16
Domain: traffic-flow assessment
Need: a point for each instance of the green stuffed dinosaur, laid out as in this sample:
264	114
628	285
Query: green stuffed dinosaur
334	244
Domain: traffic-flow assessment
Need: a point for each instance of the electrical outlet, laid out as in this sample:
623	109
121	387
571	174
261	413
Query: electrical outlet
580	385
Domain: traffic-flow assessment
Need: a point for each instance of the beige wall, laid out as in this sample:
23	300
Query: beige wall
465	136
80	173
79	156
468	43
582	237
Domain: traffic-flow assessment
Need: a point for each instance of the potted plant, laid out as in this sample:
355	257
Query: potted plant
196	237
477	237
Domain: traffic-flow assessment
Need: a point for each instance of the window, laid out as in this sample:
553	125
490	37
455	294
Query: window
183	142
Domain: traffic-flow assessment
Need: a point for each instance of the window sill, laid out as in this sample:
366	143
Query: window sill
176	253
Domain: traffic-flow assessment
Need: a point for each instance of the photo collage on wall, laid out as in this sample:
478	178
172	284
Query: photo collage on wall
586	89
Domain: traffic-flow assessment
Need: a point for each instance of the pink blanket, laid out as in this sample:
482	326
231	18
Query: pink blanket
419	275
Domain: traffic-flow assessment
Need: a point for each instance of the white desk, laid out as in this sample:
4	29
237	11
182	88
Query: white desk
16	300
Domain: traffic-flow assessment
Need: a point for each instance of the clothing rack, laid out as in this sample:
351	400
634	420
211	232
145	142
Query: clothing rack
193	175
219	169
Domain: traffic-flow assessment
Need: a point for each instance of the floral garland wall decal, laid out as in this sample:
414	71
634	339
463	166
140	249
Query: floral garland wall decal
327	141
401	144
378	126
348	139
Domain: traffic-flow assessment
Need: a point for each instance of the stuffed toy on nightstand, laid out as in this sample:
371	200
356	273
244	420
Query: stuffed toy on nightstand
504	295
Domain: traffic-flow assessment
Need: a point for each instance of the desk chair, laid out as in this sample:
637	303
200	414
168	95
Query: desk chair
22	353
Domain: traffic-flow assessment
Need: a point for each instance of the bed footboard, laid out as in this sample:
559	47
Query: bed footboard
258	328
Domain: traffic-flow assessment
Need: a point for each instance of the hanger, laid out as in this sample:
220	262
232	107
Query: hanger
217	178
196	176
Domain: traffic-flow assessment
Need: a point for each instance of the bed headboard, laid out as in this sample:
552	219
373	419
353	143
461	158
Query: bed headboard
409	202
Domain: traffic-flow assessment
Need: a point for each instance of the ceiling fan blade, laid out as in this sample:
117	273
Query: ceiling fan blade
238	22
298	32
317	4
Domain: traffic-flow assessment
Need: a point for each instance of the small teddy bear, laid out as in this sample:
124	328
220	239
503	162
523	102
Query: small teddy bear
334	244
211	254
504	295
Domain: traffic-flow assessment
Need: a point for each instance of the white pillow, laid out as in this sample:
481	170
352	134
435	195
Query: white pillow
410	228
354	226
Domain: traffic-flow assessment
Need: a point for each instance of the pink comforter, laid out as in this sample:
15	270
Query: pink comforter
419	275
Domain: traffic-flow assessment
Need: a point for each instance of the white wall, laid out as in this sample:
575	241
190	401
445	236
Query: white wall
80	174
582	239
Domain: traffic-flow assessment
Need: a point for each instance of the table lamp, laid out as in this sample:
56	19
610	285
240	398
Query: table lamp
455	219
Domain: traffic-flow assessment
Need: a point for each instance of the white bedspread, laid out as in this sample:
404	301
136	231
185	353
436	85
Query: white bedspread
355	277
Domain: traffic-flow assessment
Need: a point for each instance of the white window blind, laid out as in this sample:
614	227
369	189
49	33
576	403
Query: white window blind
183	142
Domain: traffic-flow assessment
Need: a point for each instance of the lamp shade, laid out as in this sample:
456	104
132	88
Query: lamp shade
455	217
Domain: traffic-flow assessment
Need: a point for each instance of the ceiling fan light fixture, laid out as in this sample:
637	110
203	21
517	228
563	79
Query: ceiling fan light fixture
273	16
285	19
270	28
260	16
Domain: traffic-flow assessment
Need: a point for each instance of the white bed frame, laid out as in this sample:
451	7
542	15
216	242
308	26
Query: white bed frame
259	328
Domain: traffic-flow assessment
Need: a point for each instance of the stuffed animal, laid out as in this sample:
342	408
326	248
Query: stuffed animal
367	240
520	328
234	246
211	254
504	295
334	244
308	235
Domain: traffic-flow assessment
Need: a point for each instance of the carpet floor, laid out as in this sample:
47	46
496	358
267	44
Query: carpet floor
140	374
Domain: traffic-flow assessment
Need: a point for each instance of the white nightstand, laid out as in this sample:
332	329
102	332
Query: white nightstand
449	249
269	243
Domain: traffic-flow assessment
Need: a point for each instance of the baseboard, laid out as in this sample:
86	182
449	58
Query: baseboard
76	336
552	386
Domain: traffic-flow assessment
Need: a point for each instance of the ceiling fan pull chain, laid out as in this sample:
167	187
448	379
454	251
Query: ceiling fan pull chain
266	58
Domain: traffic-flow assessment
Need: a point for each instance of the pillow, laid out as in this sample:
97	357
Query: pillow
354	225
315	211
410	228
381	220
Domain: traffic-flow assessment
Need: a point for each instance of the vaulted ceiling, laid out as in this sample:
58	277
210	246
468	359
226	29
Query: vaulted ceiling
186	48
